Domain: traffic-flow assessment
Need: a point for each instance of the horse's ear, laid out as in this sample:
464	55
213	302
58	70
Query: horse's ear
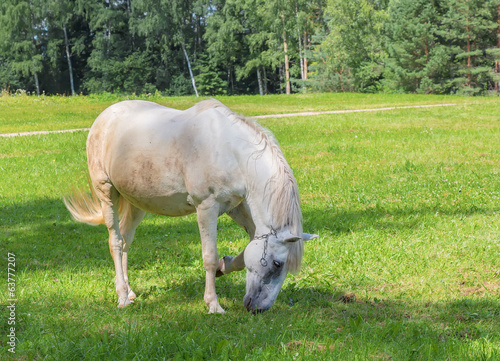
308	237
288	237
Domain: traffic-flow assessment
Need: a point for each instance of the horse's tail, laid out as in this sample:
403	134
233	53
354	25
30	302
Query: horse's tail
84	207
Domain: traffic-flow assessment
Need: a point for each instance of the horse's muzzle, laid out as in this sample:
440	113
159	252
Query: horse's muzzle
252	307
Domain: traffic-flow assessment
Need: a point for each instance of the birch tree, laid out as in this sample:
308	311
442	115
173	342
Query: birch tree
61	14
170	22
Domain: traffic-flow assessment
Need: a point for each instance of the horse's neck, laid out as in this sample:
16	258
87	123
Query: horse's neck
261	170
271	187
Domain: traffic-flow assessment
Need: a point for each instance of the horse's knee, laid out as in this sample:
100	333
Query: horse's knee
210	259
210	266
115	248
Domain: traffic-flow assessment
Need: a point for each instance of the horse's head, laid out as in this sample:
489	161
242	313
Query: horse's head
266	259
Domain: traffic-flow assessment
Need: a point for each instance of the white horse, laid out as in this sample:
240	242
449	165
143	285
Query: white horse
144	157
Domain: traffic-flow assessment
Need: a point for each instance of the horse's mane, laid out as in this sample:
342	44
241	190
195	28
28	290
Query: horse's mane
281	190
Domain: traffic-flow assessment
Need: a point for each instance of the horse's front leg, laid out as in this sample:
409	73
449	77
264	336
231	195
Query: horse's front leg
228	264
242	216
207	213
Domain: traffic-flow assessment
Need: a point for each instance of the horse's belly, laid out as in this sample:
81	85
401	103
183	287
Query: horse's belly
173	205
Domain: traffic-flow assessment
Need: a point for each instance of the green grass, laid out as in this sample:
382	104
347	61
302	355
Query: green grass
30	113
407	266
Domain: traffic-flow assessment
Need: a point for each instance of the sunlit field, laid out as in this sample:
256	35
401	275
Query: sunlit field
407	265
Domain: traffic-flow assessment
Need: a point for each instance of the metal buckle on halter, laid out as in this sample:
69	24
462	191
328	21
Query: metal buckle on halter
263	260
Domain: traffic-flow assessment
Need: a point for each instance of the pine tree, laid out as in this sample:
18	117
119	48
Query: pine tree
469	27
417	56
227	43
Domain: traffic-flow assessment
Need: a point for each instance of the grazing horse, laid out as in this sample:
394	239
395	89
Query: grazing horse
144	157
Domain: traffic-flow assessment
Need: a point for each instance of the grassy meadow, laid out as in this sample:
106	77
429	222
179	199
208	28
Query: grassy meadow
407	266
31	113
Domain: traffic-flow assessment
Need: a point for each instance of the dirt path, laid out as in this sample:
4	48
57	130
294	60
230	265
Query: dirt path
42	132
303	114
349	111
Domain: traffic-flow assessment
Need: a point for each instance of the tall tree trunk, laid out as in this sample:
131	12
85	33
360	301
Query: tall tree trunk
68	57
302	76
302	50
280	73
37	83
469	62
287	65
189	67
264	80
305	54
497	63
33	44
302	62
259	80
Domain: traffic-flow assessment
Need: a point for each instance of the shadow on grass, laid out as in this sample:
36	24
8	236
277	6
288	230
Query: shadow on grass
339	221
171	320
44	236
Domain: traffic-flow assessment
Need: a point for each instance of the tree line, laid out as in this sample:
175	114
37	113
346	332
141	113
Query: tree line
212	47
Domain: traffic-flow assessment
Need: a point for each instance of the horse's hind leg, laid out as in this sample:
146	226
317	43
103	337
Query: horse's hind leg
130	218
109	197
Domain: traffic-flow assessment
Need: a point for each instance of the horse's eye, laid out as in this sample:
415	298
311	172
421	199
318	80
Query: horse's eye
277	264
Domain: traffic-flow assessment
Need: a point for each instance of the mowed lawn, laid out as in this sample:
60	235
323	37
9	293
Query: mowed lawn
407	266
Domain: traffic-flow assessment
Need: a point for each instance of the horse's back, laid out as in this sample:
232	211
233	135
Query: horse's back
129	114
116	126
161	159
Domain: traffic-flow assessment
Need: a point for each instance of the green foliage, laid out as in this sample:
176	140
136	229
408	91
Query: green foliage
8	77
128	75
471	30
417	60
442	47
238	46
209	79
352	49
20	32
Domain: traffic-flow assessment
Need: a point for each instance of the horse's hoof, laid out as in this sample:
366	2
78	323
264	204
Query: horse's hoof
217	309
123	303
131	295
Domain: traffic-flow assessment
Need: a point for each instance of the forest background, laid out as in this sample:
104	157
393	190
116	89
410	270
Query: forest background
213	47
